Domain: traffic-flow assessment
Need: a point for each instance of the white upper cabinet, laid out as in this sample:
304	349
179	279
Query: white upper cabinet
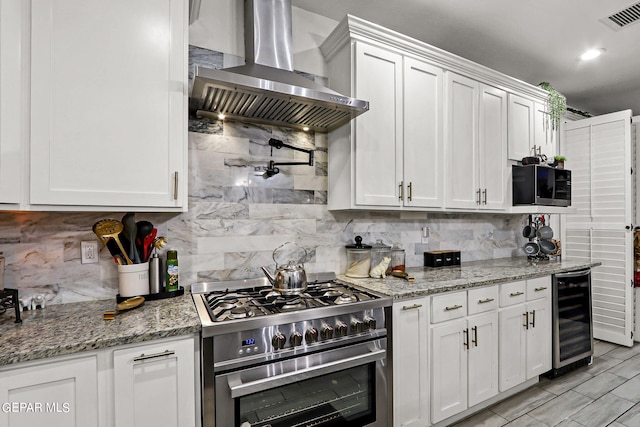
476	137
439	132
108	104
389	157
11	102
530	130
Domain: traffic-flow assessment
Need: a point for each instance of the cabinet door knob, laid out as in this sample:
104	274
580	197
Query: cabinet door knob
478	197
410	191
526	320
475	336
401	192
484	195
466	338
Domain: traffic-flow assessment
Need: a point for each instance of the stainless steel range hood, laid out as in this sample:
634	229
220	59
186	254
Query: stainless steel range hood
266	90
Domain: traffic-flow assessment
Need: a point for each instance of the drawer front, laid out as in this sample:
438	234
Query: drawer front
513	293
448	306
539	287
482	299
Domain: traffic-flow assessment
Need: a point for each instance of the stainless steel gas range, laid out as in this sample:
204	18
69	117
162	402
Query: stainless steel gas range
314	359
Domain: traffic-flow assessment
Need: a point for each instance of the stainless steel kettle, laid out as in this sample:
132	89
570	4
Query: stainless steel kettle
290	277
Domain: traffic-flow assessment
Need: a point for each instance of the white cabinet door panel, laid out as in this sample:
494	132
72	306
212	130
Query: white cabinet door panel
448	369
410	363
12	107
108	98
423	133
155	385
63	394
492	149
461	142
521	127
513	347
483	357
378	133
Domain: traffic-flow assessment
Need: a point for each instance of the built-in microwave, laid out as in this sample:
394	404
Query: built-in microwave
541	185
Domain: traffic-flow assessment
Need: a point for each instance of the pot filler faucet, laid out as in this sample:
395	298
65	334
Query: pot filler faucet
272	168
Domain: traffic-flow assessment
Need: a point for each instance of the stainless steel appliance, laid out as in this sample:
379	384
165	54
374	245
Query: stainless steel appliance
572	321
541	185
266	89
318	358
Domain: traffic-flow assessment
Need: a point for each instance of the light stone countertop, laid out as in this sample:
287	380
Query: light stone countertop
430	280
74	327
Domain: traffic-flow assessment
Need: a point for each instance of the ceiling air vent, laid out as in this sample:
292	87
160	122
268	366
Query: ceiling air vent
624	18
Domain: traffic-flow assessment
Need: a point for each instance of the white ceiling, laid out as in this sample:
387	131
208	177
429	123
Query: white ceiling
534	41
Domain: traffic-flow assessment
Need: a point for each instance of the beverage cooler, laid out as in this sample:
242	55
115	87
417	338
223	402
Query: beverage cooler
572	321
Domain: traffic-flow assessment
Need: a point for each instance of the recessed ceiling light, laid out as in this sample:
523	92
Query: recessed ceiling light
591	54
220	116
306	128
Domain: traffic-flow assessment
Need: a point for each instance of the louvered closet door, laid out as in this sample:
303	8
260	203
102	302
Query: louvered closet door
599	155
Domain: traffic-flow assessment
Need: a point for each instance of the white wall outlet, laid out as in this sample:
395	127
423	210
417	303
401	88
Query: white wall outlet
89	251
426	231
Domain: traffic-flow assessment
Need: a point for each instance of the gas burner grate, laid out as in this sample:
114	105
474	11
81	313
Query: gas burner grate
263	301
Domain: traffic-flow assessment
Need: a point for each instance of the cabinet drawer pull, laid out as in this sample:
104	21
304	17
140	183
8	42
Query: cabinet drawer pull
526	320
410	307
175	185
453	307
153	356
541	288
515	294
401	192
466	338
410	191
486	300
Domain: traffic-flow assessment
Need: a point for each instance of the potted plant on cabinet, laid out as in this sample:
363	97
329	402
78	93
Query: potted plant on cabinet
559	161
556	106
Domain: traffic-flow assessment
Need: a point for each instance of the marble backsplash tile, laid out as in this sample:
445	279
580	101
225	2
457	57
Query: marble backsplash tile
236	218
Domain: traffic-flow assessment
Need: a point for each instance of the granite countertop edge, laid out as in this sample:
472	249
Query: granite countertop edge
430	281
65	329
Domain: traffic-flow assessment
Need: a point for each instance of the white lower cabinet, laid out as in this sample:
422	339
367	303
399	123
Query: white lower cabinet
410	363
154	385
54	394
464	351
148	384
525	331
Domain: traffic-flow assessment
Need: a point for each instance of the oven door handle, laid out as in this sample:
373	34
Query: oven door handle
239	389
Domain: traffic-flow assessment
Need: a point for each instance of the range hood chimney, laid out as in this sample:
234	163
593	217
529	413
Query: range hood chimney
265	89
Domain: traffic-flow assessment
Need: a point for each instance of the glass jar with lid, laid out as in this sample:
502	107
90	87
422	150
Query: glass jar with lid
358	259
397	259
379	251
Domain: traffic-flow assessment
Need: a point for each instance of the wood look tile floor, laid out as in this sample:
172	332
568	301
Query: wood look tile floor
606	393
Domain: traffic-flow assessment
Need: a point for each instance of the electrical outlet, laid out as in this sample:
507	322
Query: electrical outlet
89	251
426	231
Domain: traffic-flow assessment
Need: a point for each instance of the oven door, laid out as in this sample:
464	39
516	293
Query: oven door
345	386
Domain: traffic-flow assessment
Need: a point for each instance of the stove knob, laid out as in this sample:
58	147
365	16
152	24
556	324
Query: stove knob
369	323
311	335
295	339
326	332
278	341
341	329
356	326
